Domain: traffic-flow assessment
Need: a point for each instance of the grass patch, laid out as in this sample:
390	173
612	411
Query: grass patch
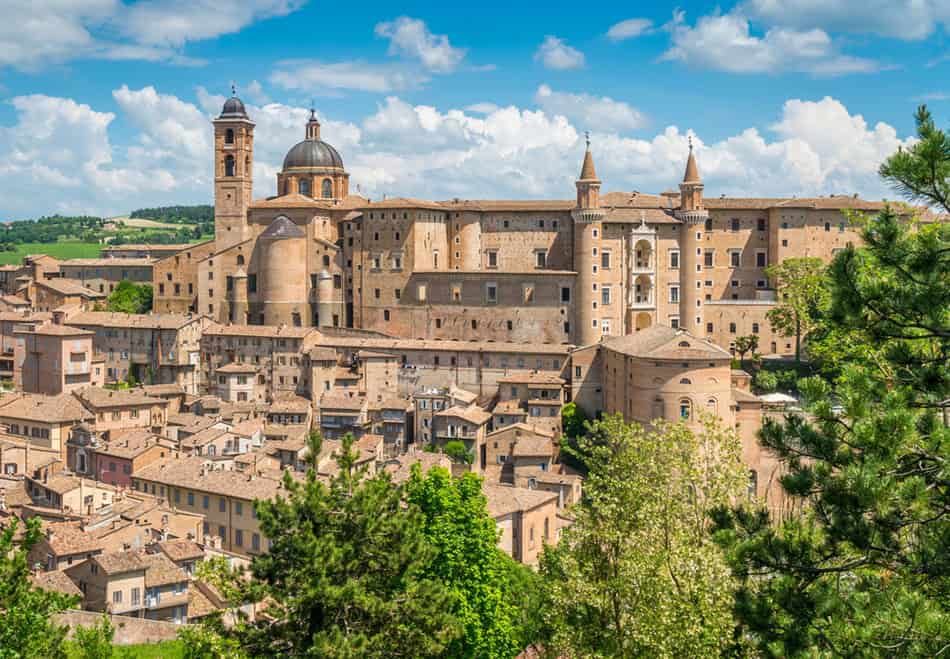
60	250
163	650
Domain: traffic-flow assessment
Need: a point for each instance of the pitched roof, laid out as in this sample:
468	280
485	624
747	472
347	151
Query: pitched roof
161	571
263	331
133	320
55	581
386	345
289	403
194	473
120	562
504	499
66	538
50	409
181	549
472	414
98	263
535	378
69	287
661	342
99	397
52	329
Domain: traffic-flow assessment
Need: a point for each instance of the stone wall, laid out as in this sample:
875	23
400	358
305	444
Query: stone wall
128	630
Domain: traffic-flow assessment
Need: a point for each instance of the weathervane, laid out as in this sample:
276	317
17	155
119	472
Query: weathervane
233	89
690	138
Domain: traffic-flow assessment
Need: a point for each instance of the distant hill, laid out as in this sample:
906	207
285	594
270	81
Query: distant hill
176	214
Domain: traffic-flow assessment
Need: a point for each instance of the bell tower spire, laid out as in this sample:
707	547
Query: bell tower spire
588	228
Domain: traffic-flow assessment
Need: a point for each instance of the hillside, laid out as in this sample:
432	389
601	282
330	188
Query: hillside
83	236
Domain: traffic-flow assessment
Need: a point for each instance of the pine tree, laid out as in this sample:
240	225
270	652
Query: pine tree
865	572
349	573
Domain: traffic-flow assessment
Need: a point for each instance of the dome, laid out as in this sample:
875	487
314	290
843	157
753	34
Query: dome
233	108
282	228
312	153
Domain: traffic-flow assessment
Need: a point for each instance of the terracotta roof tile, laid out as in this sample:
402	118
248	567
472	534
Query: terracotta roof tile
661	342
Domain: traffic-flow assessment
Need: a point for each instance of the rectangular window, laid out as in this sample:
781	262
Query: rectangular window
674	294
492	257
674	259
222	505
565	294
491	293
605	259
421	292
760	260
136	596
239	537
708	258
605	294
735	257
604	327
735	224
540	259
117	597
760	224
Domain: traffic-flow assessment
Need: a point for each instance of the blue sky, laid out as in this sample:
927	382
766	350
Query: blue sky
106	103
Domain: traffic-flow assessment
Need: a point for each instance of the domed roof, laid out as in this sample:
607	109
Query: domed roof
282	228
233	108
312	153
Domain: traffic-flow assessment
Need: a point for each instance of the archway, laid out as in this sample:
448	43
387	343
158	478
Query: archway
643	321
643	255
643	290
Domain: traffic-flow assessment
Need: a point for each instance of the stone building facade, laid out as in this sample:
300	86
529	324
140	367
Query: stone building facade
541	272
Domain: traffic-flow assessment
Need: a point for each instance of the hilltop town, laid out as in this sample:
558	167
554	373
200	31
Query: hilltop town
441	333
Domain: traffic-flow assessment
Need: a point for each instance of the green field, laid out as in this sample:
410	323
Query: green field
60	250
163	650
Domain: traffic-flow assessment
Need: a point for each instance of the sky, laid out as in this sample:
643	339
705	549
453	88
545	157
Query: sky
105	105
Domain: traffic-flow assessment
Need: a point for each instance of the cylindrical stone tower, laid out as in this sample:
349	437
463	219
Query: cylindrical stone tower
694	216
282	273
588	229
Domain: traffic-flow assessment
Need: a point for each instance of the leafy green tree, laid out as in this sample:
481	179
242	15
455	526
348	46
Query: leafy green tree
799	283
128	297
349	573
865	571
765	381
468	562
94	642
746	344
638	574
27	629
457	452
574	420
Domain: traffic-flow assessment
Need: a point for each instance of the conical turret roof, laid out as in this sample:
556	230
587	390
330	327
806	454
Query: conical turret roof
588	172
692	171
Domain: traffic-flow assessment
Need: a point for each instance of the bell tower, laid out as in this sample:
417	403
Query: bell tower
588	229
233	169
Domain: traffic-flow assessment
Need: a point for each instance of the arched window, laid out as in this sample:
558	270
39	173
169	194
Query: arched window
240	259
229	136
685	381
711	405
686	409
327	191
229	166
753	483
303	187
684	344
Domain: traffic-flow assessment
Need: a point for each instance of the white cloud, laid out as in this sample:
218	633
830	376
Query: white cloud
314	76
37	33
724	42
554	53
173	22
933	96
411	37
57	155
481	108
600	113
902	19
630	28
